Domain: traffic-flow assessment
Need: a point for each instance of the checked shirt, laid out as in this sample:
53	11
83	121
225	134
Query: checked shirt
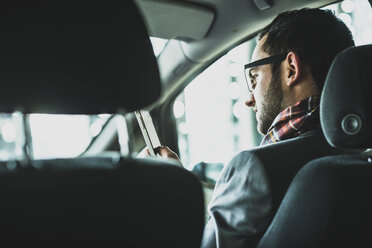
294	120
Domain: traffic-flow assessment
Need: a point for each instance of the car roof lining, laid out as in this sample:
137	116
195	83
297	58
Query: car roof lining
176	19
248	19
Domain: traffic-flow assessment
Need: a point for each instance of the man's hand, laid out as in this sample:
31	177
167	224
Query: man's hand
163	151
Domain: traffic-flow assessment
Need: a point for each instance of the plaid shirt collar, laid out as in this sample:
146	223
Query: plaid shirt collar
294	120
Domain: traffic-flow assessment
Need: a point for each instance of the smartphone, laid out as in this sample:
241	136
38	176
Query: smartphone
148	130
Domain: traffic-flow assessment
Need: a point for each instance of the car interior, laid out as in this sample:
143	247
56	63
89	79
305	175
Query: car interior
91	201
71	168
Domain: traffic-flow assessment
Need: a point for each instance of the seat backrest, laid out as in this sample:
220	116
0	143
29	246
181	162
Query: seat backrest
100	202
87	57
328	203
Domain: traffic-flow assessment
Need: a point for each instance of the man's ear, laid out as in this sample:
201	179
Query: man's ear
292	69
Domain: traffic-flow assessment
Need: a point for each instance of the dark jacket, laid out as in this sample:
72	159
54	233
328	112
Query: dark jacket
252	186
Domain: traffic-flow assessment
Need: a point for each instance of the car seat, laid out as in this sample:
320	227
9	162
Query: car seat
328	204
87	57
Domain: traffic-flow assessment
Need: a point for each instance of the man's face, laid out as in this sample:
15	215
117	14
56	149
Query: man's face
267	96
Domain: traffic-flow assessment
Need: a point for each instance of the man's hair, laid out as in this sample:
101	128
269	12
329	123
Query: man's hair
317	36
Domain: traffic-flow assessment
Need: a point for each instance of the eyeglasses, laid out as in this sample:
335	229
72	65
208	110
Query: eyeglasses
251	83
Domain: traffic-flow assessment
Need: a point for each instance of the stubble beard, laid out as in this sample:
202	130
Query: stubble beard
272	104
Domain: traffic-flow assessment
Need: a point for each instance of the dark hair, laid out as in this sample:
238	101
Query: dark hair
317	36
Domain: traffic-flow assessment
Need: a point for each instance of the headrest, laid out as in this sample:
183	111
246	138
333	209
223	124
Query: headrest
75	57
346	102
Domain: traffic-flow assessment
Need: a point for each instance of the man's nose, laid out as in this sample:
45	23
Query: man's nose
251	102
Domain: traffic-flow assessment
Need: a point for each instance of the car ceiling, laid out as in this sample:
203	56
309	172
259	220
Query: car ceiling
203	30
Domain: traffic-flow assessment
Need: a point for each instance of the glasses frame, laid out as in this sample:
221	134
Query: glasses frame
264	61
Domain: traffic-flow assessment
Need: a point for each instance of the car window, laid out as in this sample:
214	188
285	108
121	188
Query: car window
357	15
158	45
53	136
212	122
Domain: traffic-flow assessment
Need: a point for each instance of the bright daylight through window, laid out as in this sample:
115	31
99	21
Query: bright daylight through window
158	44
53	136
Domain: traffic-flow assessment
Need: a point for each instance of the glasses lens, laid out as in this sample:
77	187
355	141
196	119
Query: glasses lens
265	61
248	80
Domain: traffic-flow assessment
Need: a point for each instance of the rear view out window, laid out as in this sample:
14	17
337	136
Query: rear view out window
53	136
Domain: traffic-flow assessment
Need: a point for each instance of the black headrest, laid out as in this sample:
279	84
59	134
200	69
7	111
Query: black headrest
75	57
346	102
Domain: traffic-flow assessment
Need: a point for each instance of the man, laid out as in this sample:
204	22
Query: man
285	79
